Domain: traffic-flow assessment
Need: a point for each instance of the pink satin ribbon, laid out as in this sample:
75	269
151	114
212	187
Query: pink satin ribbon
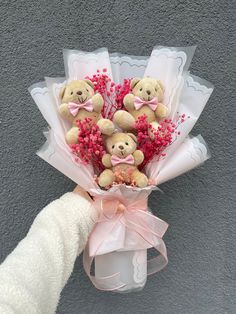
115	160
74	107
143	230
152	104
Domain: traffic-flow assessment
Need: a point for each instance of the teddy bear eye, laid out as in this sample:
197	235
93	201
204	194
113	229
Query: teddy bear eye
87	90
141	89
156	89
113	146
71	93
126	143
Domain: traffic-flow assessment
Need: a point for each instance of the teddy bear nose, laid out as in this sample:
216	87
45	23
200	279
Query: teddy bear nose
79	92
121	147
148	92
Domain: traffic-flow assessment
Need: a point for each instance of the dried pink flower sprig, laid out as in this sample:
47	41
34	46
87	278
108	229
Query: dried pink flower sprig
90	147
153	146
112	94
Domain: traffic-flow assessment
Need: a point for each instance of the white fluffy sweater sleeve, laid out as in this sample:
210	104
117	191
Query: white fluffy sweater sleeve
33	275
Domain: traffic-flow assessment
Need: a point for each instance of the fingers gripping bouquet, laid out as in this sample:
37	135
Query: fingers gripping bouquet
119	126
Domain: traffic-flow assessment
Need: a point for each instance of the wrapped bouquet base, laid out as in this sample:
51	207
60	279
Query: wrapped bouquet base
121	171
130	265
125	230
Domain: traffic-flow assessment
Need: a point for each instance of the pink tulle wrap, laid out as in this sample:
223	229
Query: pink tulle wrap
125	224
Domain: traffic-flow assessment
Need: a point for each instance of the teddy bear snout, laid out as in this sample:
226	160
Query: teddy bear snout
79	92
148	92
121	147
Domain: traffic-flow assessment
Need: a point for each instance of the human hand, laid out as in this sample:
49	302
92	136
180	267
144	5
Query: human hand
82	192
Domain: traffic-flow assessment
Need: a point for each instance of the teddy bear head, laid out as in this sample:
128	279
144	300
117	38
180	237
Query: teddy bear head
77	91
147	88
121	144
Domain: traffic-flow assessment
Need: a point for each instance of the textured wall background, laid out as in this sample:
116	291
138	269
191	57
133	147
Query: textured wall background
199	206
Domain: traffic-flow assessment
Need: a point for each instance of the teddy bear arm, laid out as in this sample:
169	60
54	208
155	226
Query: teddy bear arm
72	135
124	120
161	111
129	102
140	179
106	161
106	126
106	178
97	103
138	157
65	112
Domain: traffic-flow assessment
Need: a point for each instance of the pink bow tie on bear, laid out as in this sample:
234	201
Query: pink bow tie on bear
152	104
127	160
74	107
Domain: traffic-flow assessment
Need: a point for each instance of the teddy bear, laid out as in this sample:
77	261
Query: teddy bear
122	157
79	101
145	99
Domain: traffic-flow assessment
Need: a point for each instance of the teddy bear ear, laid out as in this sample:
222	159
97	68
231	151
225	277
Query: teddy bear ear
161	85
133	137
90	83
134	81
62	92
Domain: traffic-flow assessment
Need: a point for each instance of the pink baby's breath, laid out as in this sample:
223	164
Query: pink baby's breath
112	94
90	147
153	146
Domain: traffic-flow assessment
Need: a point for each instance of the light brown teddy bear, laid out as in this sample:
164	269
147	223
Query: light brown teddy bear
145	99
122	158
79	101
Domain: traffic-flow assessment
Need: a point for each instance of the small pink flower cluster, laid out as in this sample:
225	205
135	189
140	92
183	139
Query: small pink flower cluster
121	92
124	176
101	82
90	147
112	94
153	146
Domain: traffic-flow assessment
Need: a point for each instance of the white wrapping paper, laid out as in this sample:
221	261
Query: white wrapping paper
184	94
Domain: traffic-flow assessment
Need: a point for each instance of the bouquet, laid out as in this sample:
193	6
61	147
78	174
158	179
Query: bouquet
119	127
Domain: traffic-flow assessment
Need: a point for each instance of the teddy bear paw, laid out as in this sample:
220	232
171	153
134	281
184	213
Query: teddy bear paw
124	120
106	178
72	136
106	126
141	180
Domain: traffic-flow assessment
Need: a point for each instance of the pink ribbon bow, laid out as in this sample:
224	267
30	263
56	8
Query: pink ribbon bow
127	160
74	107
152	104
135	228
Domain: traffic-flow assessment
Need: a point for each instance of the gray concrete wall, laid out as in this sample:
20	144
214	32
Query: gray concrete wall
199	206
